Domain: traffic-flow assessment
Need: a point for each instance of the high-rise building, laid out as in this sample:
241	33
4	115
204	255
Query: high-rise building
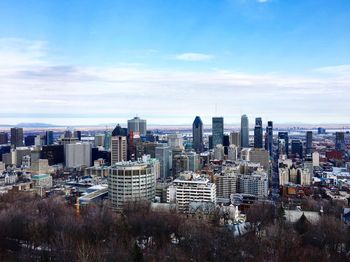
219	153
218	131
193	161
309	142
4	138
292	174
49	137
29	140
163	154
269	137
254	184
244	131
137	125
283	143
176	141
119	131
297	148
189	187
107	142
99	140
180	164
232	152
17	136
53	153
339	141
321	131
259	156
197	133
235	139
77	134
258	133
226	184
77	155
131	181
118	149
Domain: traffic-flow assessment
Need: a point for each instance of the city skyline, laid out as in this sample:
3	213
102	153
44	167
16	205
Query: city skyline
92	63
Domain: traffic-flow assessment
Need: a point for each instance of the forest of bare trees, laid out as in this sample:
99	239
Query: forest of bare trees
34	229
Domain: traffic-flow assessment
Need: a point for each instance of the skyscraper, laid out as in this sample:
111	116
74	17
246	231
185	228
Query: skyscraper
339	141
197	133
218	131
235	139
4	138
49	137
17	136
137	125
163	154
309	142
258	133
118	149
244	131
269	137
283	143
297	148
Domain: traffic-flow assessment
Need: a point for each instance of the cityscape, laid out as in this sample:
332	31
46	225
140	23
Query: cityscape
174	130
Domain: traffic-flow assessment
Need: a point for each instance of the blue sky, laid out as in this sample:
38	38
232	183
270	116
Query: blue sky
84	62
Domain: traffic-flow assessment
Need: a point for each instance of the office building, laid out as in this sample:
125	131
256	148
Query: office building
244	131
77	155
77	134
190	187
297	148
258	133
197	134
29	140
218	131
175	141
4	149
255	184
42	180
17	136
137	125
259	156
193	161
315	159
99	140
164	154
235	139
232	153
226	184
321	131
53	153
119	131
219	153
99	154
118	149
4	138
283	143
340	141
107	141
269	137
21	153
49	137
308	142
130	181
180	163
40	166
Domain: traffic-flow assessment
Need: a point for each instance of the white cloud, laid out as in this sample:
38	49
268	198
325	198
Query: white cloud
263	1
194	57
34	88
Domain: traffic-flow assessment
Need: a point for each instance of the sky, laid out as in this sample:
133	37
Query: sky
93	62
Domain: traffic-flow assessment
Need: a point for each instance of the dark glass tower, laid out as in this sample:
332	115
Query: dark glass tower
49	137
4	139
119	131
339	141
244	131
309	142
269	137
283	142
17	136
197	133
218	131
258	133
297	148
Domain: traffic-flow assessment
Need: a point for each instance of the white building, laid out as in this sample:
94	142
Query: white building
190	187
131	181
300	176
232	152
254	184
219	152
77	155
316	159
175	141
118	149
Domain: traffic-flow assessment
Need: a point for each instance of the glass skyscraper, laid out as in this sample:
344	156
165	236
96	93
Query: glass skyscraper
197	132
244	131
218	131
258	133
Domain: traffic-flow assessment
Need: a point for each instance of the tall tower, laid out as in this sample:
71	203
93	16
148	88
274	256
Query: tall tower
258	133
309	142
269	137
118	145
339	141
17	136
244	131
197	133
218	131
137	125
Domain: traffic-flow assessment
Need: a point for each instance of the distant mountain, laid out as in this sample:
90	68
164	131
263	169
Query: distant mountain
35	125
